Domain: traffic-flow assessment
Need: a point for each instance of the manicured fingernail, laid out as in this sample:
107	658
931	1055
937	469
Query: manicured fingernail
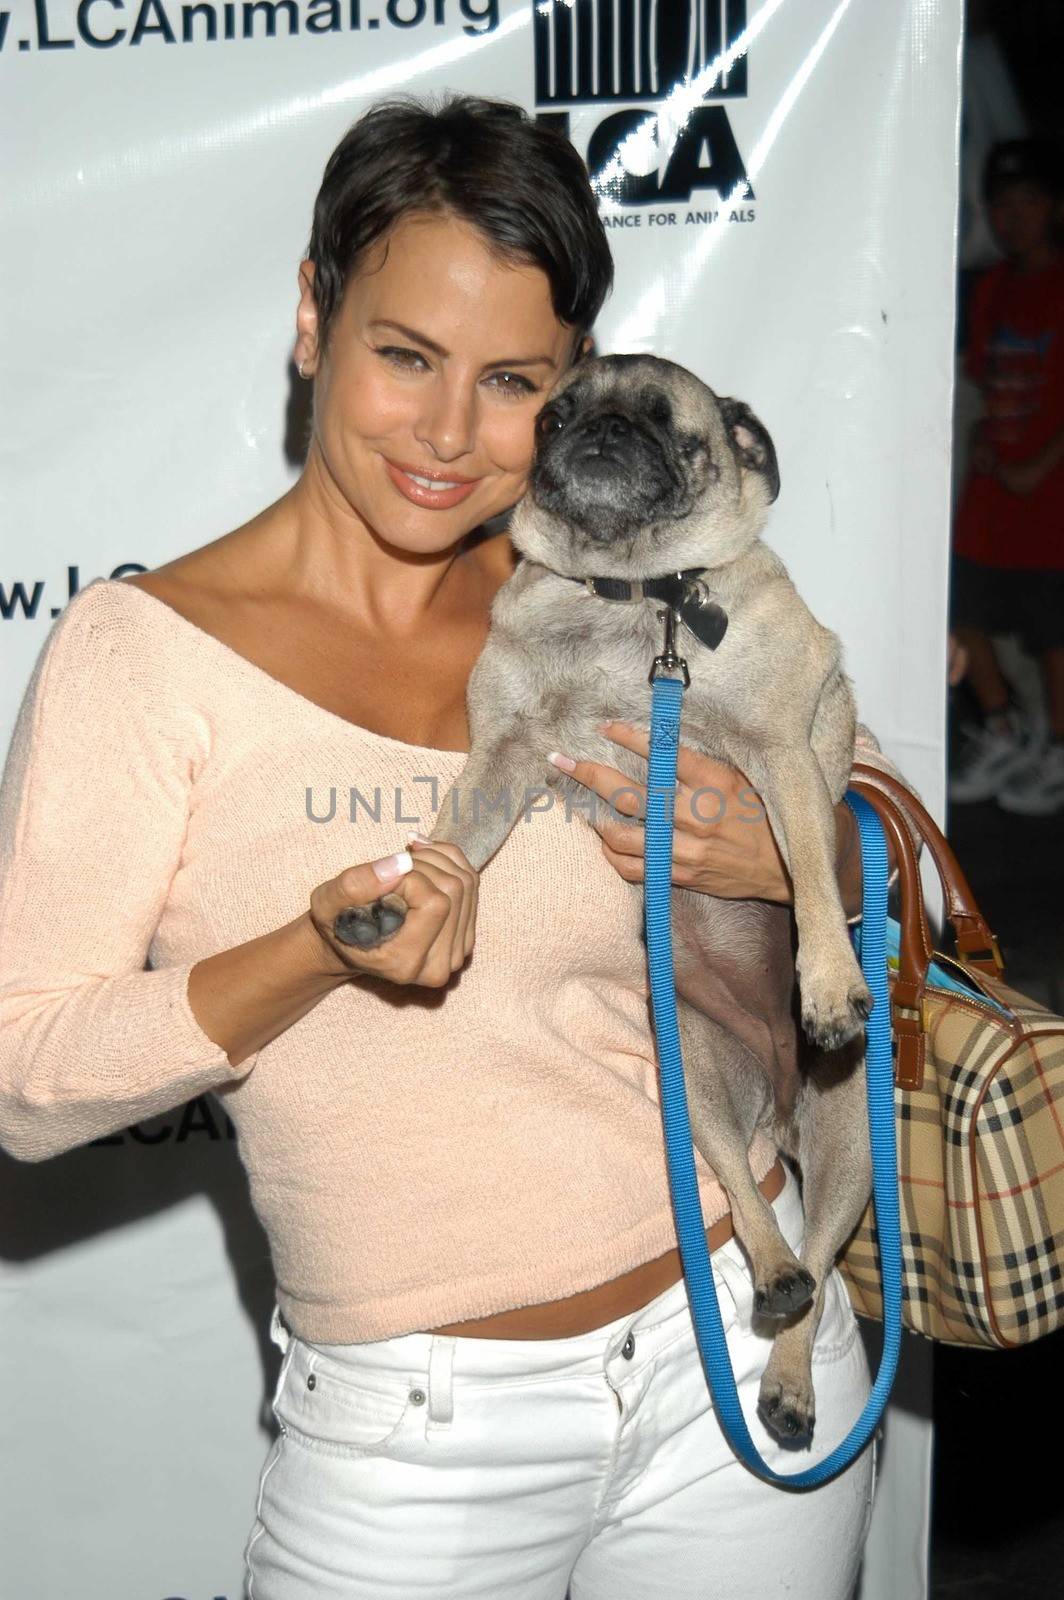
417	838
566	763
393	866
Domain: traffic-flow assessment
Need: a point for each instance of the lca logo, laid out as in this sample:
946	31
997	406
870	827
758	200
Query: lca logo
591	50
651	56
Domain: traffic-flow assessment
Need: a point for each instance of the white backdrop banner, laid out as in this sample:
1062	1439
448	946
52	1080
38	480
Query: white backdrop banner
779	180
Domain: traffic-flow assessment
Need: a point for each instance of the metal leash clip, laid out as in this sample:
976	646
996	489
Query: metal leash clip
669	661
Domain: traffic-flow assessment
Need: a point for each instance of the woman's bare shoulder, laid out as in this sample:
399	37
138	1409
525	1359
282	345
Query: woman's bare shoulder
165	582
216	585
204	583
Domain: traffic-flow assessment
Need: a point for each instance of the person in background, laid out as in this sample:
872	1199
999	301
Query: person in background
1008	542
990	112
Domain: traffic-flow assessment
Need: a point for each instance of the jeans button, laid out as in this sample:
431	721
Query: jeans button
628	1348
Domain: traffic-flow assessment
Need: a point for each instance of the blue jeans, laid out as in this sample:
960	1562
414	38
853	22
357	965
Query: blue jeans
523	1469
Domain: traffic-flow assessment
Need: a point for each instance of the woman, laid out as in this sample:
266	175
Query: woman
490	1383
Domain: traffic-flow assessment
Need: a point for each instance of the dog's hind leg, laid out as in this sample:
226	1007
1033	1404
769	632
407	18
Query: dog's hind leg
836	1163
727	1095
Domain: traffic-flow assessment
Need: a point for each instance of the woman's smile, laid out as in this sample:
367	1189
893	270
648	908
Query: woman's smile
436	491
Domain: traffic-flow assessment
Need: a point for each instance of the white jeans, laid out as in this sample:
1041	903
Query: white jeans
477	1469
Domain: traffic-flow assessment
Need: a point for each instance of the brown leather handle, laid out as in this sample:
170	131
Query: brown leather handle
915	948
902	815
975	942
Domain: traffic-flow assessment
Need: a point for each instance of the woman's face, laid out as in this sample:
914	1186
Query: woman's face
440	356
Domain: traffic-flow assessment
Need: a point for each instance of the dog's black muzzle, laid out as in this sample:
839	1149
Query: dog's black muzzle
609	435
605	474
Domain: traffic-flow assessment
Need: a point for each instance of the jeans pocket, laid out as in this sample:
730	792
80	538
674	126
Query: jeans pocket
838	1322
336	1411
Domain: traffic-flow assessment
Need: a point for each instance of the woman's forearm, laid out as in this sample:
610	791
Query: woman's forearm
244	997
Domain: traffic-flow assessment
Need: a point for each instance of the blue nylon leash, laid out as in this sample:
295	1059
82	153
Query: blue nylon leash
666	702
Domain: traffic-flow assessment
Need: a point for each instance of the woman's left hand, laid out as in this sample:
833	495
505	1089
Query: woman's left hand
722	842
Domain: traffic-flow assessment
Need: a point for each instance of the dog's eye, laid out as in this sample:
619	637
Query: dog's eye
689	443
549	422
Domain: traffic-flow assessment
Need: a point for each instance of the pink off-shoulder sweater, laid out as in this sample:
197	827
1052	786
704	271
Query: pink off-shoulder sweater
416	1157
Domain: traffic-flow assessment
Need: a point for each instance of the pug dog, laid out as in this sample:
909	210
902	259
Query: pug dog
648	494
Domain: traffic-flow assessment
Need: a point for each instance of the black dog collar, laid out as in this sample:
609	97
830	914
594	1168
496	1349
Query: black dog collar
681	591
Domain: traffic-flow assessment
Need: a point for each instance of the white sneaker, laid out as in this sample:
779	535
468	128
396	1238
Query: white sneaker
987	761
1036	790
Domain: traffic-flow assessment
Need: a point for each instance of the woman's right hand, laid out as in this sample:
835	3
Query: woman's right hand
436	938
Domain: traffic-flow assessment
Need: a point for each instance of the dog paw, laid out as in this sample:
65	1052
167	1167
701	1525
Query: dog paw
787	1410
784	1292
832	1016
369	926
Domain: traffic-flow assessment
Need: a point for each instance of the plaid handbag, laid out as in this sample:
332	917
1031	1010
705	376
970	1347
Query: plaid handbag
979	1100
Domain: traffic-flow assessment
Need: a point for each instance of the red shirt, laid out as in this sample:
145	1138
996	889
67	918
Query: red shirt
1016	355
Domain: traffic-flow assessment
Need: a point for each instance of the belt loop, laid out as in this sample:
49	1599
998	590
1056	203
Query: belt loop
289	1344
738	1283
441	1380
278	1332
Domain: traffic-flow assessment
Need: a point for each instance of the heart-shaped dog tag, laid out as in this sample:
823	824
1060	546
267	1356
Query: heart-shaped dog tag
703	617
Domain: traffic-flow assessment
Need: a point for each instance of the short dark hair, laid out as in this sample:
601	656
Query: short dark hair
1034	160
486	161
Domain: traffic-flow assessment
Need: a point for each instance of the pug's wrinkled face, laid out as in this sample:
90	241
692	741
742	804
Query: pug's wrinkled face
640	469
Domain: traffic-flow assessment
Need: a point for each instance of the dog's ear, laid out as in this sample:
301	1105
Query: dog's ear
752	443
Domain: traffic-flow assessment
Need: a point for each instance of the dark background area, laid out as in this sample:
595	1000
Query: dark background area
998	1509
998	1501
1031	34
